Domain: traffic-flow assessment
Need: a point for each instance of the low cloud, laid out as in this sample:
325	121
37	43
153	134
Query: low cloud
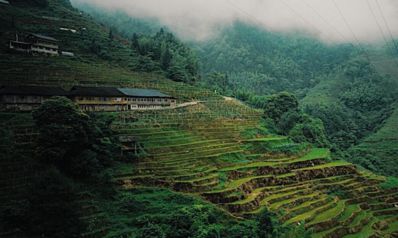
366	21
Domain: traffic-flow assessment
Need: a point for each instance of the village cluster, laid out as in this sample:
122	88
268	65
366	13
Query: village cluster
28	98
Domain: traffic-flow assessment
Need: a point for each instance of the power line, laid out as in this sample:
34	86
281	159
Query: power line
257	21
254	19
350	29
333	27
387	25
345	21
379	26
377	22
360	47
324	20
302	18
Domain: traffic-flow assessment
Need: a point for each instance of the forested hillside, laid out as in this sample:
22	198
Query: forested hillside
92	43
352	91
351	88
379	151
263	62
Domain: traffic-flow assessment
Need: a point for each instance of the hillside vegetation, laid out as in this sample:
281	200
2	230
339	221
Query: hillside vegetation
351	90
211	169
93	44
235	163
382	144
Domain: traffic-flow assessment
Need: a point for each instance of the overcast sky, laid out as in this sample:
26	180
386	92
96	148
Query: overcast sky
329	20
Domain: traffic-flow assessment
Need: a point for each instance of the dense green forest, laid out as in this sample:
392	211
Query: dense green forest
263	62
341	84
155	48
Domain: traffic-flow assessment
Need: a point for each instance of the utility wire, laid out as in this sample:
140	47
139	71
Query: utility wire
257	21
301	16
377	22
387	25
380	28
351	30
360	47
324	20
254	19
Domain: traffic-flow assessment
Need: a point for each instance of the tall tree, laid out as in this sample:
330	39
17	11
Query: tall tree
69	139
134	42
166	58
110	36
279	104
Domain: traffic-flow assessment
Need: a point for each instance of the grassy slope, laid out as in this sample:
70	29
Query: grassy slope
322	93
382	144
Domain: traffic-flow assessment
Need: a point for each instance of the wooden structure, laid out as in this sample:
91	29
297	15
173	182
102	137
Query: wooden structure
95	99
26	98
98	98
146	99
119	99
36	44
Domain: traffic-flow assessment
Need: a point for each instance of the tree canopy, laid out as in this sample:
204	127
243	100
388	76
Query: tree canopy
70	139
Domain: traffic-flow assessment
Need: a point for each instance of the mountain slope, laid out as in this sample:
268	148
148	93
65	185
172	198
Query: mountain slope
209	164
219	151
95	46
351	92
379	151
264	62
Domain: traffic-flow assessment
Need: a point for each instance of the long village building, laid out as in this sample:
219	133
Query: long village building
27	98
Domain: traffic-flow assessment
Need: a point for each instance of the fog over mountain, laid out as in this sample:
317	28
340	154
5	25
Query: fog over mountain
329	20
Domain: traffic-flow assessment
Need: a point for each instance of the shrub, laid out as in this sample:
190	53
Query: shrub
391	182
151	230
52	207
279	104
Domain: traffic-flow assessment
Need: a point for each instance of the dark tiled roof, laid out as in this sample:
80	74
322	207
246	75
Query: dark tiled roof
82	91
136	92
43	37
32	90
96	91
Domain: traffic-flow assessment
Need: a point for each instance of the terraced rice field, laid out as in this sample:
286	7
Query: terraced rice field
228	159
